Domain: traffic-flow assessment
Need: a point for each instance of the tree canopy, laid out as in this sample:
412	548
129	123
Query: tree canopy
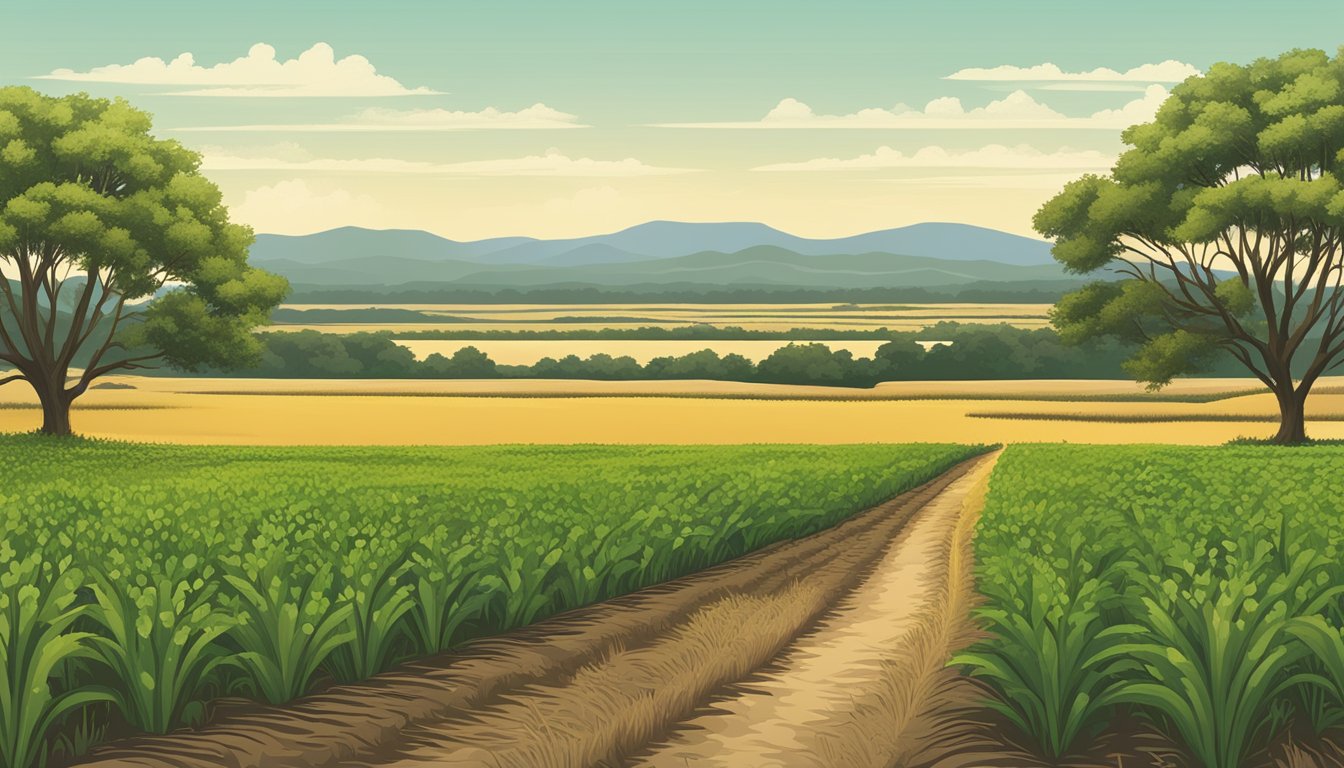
1225	223
116	252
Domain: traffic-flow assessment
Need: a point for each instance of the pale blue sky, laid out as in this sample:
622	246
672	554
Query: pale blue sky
619	68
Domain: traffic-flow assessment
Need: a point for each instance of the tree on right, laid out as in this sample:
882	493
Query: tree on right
1223	230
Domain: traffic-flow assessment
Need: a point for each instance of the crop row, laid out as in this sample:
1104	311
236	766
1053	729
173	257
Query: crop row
1199	588
144	581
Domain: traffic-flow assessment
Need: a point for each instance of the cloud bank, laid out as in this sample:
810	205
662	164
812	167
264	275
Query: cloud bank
1016	110
1169	71
990	156
536	117
553	163
315	72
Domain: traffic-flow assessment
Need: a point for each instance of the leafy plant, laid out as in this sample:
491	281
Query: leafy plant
1052	654
160	635
38	606
288	621
1215	648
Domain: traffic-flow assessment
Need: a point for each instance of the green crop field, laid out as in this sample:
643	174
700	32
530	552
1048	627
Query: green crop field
1199	587
146	580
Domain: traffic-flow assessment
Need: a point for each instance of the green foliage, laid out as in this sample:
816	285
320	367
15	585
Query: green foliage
86	178
38	610
1054	658
974	352
1204	583
1229	198
159	623
153	577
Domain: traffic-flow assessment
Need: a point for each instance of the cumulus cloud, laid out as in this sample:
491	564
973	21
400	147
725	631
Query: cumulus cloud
315	72
990	156
1169	71
1016	110
536	117
552	163
293	207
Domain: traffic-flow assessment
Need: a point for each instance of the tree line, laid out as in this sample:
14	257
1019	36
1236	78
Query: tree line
973	352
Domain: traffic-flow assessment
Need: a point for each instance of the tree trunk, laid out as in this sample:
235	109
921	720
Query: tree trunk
1292	418
55	410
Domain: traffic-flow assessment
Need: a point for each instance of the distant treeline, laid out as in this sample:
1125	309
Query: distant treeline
1027	292
975	352
696	332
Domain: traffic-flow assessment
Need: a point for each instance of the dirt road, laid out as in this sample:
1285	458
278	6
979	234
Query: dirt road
815	652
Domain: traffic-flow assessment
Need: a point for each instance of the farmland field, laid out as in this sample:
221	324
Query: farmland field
760	317
1196	587
466	412
211	569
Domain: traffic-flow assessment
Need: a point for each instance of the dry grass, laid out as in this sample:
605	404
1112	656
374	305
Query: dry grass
841	695
616	705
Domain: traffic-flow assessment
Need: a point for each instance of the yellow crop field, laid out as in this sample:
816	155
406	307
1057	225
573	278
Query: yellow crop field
386	412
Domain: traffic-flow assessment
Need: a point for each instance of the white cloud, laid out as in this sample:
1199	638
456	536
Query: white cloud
1017	110
1169	71
990	156
292	207
535	117
315	72
553	163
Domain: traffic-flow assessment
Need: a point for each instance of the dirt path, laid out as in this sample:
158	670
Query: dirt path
811	652
844	694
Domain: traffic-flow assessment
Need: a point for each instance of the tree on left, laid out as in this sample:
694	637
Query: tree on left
116	254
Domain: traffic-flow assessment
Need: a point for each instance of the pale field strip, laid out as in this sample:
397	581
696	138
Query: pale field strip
771	325
406	412
703	309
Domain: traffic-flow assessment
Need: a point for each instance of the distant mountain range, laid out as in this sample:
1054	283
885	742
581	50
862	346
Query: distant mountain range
663	253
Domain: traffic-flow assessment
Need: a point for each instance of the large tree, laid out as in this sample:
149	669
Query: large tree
115	253
1225	222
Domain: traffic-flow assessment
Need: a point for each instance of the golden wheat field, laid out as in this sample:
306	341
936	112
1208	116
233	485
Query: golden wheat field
387	412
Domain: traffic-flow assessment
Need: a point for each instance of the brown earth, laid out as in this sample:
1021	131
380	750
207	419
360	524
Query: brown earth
859	617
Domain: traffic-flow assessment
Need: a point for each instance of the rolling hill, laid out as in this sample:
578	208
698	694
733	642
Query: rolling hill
650	241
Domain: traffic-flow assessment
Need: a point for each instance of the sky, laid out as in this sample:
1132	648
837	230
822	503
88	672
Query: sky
560	119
